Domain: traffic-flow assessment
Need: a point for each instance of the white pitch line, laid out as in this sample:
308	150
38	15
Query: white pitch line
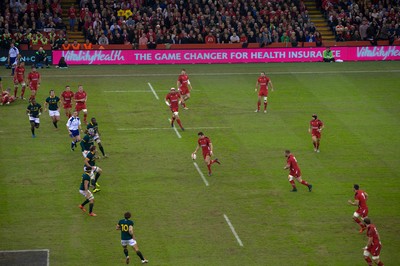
200	173
233	230
228	73
176	131
154	92
164	128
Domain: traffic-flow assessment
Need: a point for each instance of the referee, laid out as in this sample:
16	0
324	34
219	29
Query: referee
12	56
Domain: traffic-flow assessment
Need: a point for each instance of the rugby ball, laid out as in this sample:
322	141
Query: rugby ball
194	156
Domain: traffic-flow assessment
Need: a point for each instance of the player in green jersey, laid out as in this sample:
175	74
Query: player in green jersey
84	190
90	161
34	110
53	104
87	142
128	237
93	124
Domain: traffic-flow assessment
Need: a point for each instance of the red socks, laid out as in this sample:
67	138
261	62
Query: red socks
368	260
293	184
179	122
359	222
304	183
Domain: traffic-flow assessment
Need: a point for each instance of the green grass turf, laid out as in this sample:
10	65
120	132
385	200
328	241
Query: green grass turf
179	220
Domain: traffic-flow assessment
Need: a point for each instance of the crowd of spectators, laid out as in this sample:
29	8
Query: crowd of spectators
355	20
201	21
153	22
31	22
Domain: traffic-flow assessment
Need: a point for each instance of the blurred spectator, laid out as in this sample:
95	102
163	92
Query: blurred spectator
72	17
143	39
318	39
310	38
234	38
252	38
103	40
151	44
210	38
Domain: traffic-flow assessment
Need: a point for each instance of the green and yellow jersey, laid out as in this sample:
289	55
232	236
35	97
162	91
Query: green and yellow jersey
34	109
92	158
124	225
95	127
53	103
86	142
85	177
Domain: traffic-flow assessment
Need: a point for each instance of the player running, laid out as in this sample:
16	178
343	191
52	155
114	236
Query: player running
33	82
184	86
315	129
84	190
263	83
80	98
360	200
207	149
53	103
172	99
128	237
295	172
34	110
66	98
93	124
374	245
90	161
87	142
19	79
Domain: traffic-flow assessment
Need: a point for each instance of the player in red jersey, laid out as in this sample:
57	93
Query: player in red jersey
294	172
66	99
315	129
80	98
263	83
6	97
373	247
360	200
184	87
207	149
172	99
19	78
33	82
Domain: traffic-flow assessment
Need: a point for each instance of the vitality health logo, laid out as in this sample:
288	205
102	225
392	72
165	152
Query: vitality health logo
91	56
379	53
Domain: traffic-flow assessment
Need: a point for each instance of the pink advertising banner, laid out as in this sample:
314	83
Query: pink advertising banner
219	56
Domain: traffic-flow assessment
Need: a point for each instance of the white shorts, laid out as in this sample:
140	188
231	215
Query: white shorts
130	242
84	153
54	113
90	194
367	254
96	138
176	113
36	120
95	169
